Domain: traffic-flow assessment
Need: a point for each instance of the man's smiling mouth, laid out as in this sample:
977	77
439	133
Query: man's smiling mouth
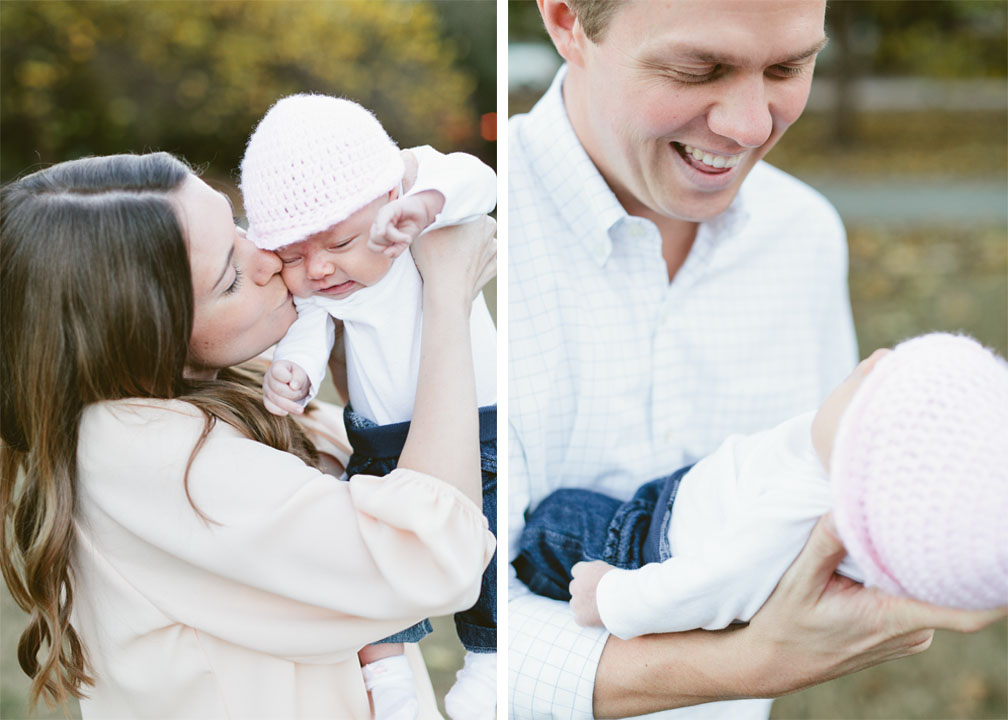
704	160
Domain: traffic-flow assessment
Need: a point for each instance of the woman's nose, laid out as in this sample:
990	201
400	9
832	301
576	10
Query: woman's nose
264	265
261	265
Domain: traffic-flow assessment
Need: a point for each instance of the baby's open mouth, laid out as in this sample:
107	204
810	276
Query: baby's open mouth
704	160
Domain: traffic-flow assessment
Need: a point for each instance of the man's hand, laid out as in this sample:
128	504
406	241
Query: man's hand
583	590
284	386
825	625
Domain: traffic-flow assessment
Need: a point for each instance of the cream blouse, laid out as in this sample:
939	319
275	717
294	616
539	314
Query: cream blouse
258	612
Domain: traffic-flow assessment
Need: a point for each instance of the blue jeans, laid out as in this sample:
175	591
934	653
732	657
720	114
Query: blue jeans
376	452
572	525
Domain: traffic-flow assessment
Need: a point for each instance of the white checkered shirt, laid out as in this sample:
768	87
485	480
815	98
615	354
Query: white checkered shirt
618	376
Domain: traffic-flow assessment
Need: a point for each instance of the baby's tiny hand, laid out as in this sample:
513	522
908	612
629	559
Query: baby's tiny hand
397	224
583	590
284	386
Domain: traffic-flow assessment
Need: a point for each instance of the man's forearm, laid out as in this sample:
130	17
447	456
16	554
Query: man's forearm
659	672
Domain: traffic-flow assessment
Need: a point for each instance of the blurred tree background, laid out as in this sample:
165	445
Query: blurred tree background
906	132
94	77
193	78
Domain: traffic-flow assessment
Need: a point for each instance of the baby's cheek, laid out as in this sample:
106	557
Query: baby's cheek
374	267
295	280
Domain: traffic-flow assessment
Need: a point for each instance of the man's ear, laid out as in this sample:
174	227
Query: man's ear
564	29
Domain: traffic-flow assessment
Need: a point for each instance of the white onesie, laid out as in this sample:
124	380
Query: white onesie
382	322
740	517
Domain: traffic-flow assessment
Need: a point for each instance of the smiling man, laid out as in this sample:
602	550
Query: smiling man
668	288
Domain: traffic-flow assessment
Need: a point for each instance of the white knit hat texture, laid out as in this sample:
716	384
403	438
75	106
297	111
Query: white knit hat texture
920	473
313	161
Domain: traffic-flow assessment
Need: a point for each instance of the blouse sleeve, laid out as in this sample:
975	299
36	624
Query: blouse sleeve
286	561
469	185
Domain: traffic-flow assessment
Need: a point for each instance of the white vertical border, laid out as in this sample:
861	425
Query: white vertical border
502	358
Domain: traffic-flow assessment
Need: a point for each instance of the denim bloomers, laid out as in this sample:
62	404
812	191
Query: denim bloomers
572	525
376	450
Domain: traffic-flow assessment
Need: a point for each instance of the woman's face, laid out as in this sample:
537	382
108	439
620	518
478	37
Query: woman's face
242	306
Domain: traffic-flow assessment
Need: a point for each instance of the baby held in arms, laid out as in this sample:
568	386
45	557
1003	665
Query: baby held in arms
910	453
326	189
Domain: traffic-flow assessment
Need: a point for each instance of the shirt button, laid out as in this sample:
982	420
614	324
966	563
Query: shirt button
671	436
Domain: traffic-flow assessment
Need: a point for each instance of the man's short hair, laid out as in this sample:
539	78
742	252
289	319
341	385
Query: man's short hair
594	15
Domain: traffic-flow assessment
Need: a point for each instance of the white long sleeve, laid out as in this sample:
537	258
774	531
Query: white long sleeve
469	185
308	342
551	660
740	518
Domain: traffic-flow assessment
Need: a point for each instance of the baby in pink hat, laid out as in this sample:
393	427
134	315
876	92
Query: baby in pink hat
322	184
910	453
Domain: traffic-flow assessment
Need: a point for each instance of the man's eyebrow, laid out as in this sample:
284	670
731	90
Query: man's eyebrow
814	50
716	58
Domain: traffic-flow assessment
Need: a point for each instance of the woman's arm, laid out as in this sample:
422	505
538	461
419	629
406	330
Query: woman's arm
443	439
291	562
815	627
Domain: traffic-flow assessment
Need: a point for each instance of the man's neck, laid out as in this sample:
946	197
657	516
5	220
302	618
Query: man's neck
677	235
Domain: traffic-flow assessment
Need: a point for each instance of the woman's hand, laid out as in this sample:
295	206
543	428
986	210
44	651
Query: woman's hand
818	625
457	260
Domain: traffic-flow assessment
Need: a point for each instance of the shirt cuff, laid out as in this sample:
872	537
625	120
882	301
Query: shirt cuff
552	661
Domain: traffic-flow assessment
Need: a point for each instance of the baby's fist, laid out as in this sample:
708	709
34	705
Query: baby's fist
583	590
285	385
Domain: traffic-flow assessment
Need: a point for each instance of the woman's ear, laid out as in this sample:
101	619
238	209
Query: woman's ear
564	29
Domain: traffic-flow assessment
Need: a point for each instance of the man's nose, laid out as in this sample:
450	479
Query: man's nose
743	113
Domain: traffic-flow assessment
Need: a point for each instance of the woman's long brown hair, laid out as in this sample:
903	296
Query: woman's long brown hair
96	303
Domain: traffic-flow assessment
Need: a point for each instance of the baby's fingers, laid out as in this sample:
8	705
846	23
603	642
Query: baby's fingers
279	405
299	380
280	372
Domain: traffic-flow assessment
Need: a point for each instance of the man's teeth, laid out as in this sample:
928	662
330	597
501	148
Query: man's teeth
718	161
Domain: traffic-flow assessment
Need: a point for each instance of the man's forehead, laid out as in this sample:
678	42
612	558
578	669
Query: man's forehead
715	28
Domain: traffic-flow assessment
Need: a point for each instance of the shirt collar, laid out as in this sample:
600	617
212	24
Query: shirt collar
582	197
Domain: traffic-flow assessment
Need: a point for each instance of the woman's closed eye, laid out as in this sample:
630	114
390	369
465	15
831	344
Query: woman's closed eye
236	283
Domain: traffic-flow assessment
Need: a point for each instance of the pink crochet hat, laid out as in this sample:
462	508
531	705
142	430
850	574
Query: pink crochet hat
312	162
920	473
